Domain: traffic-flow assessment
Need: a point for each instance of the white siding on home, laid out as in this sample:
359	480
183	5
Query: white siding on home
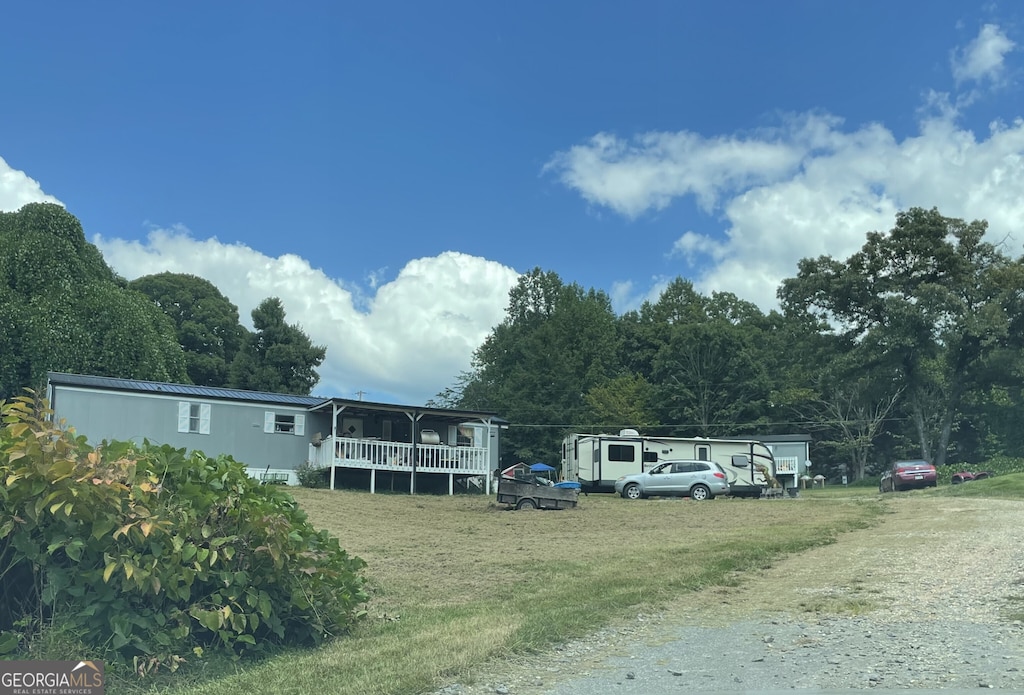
167	418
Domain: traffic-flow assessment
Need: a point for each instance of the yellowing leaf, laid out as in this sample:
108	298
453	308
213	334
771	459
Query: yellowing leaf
146	527
109	570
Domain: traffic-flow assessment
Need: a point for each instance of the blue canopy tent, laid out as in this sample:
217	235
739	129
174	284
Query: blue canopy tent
545	468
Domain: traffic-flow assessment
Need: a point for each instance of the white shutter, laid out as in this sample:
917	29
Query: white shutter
204	418
300	425
183	413
268	422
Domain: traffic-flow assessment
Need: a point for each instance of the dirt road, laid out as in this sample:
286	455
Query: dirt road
926	600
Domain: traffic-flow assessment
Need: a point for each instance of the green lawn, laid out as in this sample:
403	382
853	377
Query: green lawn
458	580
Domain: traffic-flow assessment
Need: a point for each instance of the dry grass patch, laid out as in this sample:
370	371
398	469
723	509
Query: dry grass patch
458	580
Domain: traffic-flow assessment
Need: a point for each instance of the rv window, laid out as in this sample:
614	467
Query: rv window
740	461
650	456
621	452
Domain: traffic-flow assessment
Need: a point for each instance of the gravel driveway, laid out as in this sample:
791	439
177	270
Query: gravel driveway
919	602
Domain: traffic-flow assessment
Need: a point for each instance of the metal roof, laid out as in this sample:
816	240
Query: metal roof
213	392
140	386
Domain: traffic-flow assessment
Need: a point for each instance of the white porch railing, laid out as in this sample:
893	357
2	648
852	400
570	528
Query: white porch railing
374	454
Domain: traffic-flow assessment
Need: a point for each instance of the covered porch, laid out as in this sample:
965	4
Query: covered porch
402	442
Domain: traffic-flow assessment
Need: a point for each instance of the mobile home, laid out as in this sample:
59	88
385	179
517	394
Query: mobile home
359	444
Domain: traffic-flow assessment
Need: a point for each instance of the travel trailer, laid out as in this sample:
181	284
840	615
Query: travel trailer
596	461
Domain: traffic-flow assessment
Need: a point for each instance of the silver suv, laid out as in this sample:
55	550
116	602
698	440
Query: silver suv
698	480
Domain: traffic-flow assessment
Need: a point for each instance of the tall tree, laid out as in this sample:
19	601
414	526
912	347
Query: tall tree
278	357
712	379
206	322
556	343
932	299
62	308
707	358
625	401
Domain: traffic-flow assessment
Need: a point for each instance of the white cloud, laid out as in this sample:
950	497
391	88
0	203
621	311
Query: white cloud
416	334
627	296
818	192
403	343
983	58
810	186
648	172
18	189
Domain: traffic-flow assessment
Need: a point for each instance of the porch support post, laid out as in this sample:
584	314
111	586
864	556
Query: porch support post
487	473
414	419
373	480
334	440
451	484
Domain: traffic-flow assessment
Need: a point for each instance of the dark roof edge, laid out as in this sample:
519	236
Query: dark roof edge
220	393
172	389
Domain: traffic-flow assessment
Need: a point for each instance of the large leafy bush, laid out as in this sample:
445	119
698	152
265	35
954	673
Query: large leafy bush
154	553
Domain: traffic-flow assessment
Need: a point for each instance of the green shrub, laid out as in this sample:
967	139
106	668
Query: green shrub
154	553
310	476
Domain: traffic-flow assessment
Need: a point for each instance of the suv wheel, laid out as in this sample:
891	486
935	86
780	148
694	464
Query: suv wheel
700	493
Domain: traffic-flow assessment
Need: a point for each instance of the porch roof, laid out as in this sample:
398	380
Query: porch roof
358	408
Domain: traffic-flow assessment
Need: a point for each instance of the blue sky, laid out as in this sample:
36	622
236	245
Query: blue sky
388	168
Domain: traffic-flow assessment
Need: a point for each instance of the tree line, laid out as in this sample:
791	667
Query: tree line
911	347
62	308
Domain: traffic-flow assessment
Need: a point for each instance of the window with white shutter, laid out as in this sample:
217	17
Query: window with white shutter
194	417
282	423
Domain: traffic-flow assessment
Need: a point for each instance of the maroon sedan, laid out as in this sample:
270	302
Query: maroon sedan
907	475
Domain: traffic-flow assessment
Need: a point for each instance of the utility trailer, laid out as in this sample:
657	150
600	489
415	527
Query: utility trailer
596	461
526	494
